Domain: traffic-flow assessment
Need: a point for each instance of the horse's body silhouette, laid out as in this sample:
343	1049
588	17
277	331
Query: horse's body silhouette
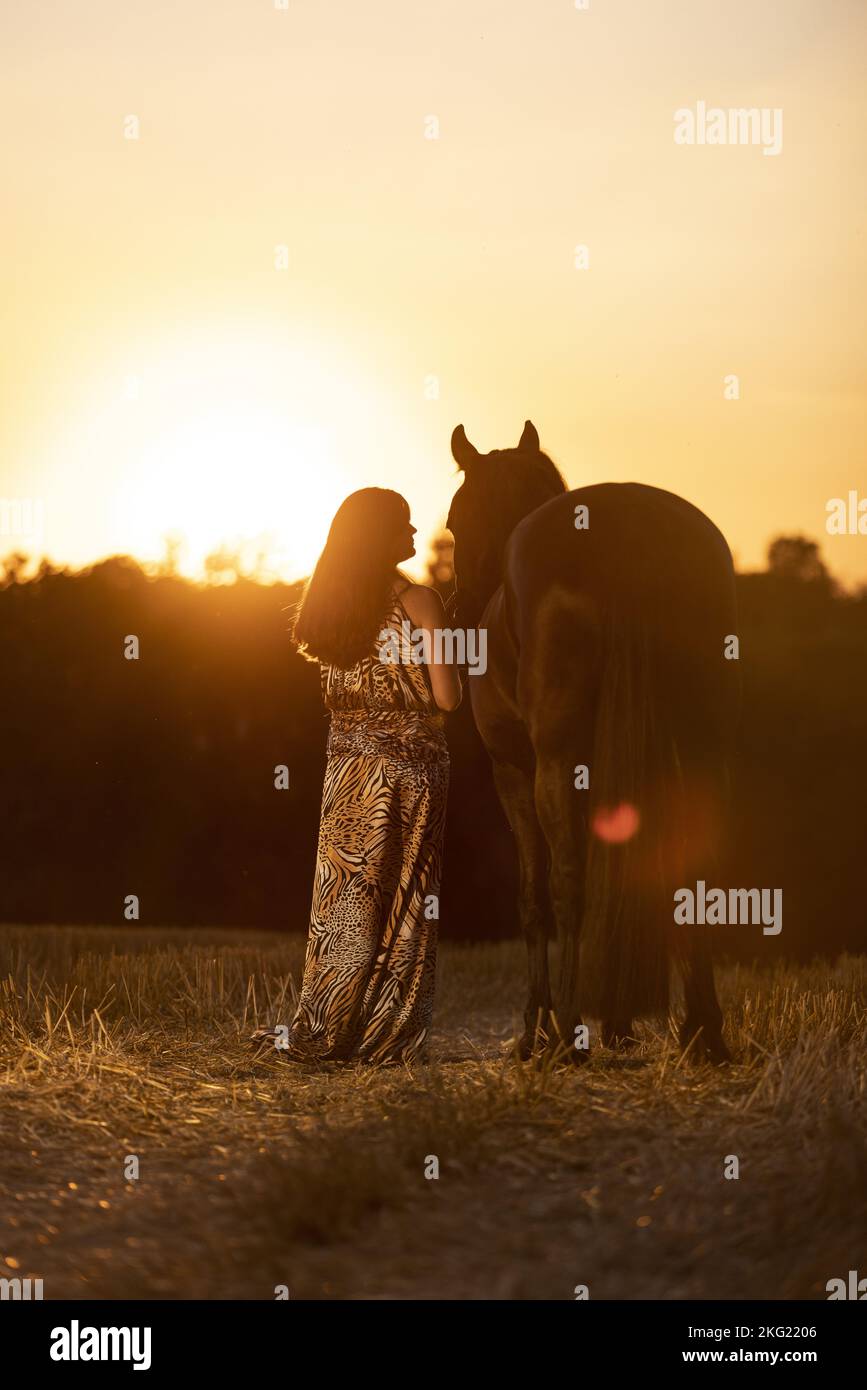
607	633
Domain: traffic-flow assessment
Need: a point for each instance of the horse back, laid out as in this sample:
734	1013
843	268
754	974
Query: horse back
640	561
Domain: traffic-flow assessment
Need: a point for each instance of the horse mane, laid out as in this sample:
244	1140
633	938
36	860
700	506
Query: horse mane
506	485
548	473
530	479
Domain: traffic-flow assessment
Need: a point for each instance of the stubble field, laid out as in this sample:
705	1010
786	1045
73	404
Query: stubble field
124	1051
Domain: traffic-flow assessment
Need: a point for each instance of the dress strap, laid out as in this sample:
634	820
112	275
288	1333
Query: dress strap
399	602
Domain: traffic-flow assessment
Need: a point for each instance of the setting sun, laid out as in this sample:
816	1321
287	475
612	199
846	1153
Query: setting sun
245	443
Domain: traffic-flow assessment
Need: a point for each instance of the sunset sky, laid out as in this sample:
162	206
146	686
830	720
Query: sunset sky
160	374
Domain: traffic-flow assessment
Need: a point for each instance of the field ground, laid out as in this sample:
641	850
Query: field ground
259	1173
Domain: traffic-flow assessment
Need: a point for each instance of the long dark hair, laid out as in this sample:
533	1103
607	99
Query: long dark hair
343	606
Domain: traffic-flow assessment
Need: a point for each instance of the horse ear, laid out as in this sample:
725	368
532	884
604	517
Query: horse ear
463	451
530	438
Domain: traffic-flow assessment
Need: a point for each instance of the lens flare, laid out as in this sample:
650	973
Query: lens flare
616	824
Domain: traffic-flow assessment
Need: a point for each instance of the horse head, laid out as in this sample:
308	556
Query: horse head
499	489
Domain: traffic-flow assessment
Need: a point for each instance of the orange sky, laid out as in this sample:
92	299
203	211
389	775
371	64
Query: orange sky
159	373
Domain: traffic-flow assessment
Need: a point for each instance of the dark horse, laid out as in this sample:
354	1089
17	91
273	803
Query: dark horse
608	708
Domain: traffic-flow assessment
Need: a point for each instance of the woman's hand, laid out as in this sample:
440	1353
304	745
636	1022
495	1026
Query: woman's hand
425	608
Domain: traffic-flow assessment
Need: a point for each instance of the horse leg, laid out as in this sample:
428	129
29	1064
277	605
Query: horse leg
566	837
515	790
701	1030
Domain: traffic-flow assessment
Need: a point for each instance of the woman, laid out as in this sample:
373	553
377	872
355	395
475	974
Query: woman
370	966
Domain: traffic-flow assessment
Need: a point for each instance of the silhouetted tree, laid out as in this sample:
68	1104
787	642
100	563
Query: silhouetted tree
173	544
14	566
796	557
156	776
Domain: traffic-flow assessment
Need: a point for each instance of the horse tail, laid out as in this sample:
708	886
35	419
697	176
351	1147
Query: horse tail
634	832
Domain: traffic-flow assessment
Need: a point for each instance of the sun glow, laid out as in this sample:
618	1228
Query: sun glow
245	445
236	479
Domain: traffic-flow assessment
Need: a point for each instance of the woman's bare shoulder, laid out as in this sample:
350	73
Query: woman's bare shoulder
422	603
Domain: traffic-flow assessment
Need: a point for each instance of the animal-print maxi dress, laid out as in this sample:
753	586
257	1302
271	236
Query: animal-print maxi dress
369	974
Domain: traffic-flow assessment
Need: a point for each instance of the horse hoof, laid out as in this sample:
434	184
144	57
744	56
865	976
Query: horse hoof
576	1057
529	1046
524	1048
701	1046
718	1053
567	1055
618	1036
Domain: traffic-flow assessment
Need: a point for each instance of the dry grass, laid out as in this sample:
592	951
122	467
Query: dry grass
255	1173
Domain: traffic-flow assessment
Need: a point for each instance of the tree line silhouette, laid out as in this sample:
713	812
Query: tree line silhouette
156	776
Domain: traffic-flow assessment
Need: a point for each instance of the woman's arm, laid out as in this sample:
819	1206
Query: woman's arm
425	608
